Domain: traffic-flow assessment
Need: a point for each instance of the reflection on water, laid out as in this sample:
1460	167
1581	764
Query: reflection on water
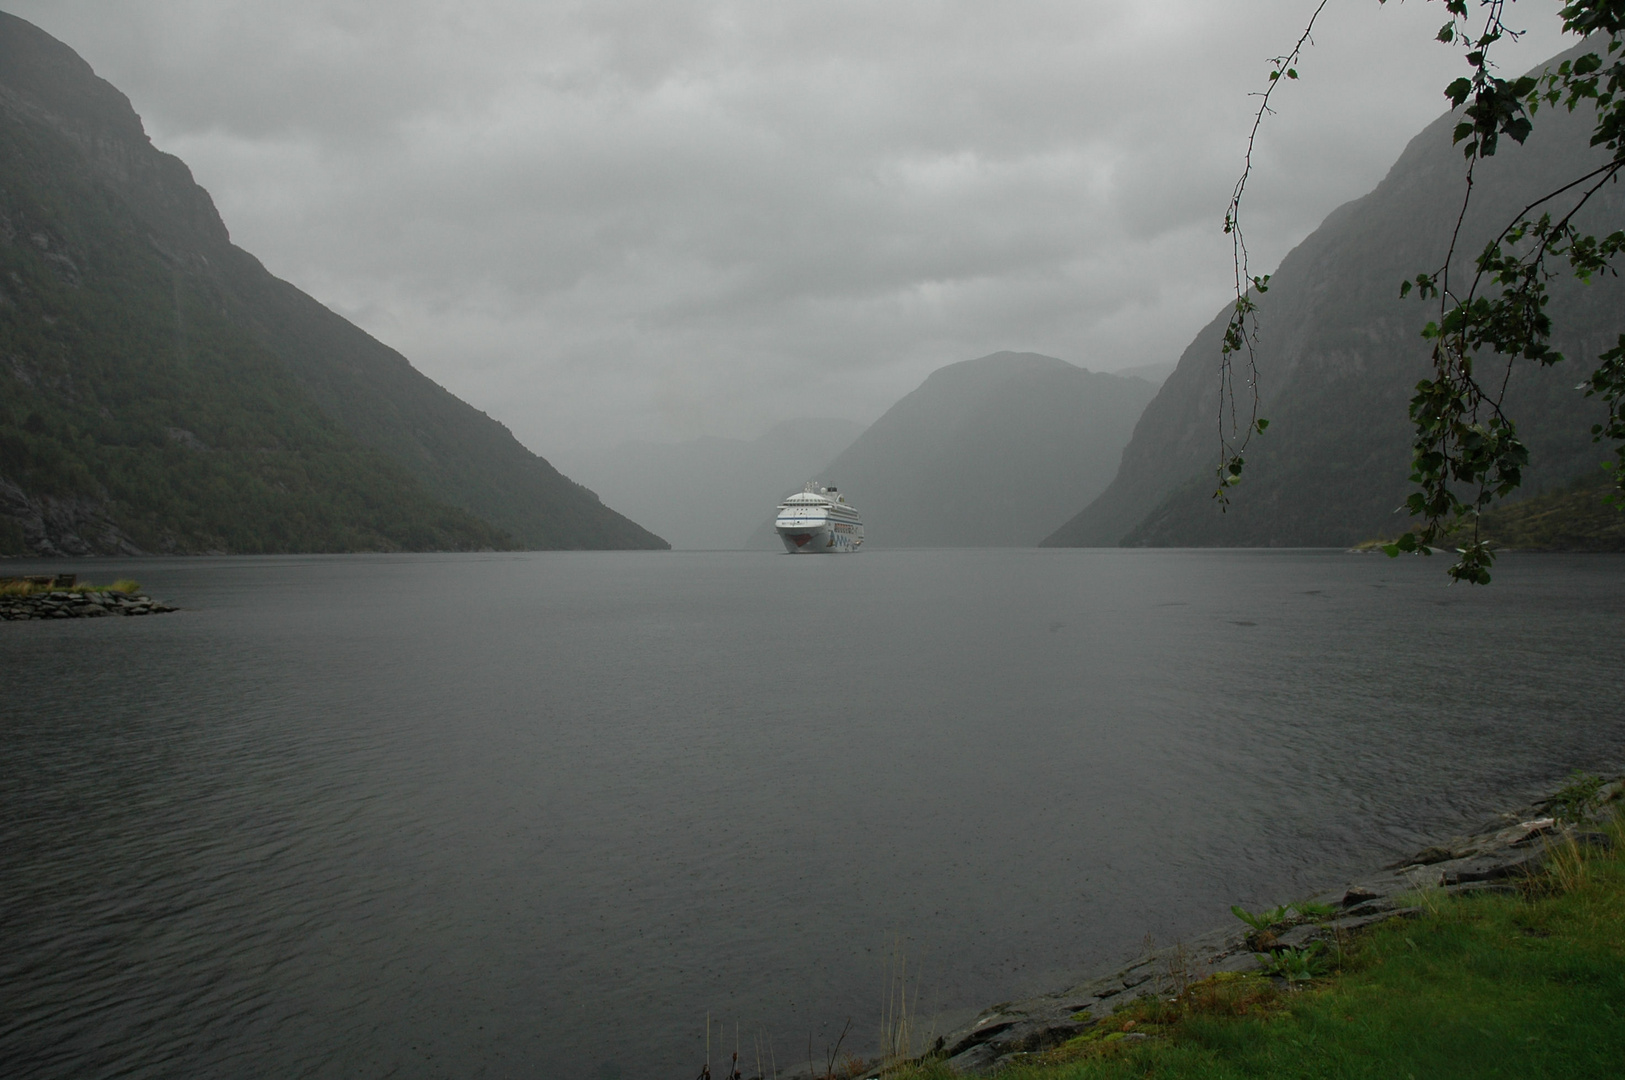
537	815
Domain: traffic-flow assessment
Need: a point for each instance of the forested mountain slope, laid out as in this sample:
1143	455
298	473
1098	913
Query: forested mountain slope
1340	355
161	391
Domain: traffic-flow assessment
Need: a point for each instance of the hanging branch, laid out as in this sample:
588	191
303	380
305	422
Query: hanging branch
1241	334
1464	441
1464	438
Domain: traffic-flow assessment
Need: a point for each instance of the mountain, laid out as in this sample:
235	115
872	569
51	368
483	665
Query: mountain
710	493
1340	354
994	452
161	391
1155	374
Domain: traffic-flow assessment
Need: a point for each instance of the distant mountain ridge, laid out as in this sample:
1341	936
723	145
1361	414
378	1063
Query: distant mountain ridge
711	493
1155	374
1340	354
992	452
163	392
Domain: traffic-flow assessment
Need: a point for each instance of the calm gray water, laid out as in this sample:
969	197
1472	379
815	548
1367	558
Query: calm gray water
539	815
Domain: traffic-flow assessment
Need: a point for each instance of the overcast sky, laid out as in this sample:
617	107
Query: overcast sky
608	220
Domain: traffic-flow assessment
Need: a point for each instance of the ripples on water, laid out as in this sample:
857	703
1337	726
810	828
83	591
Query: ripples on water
538	815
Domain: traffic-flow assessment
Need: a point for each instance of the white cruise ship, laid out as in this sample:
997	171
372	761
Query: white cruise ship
818	521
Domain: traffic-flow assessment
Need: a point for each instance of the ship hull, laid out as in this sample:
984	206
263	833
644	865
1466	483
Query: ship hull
822	539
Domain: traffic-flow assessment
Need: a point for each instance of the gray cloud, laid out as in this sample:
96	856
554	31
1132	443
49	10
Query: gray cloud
605	220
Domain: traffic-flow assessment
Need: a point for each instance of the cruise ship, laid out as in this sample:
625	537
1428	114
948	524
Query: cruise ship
818	521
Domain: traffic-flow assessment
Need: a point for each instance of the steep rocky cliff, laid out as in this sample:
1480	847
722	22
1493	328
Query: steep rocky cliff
1339	357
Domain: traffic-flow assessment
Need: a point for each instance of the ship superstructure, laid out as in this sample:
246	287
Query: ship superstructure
818	520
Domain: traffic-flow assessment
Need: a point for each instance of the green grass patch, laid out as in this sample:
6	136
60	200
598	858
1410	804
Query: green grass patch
24	587
1580	517
1519	985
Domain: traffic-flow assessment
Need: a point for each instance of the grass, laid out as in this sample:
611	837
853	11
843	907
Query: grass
900	1012
1575	799
1520	985
19	587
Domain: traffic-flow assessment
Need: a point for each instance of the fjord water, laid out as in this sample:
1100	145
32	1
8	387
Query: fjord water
542	814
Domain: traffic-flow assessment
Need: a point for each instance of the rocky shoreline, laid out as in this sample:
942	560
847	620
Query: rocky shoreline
65	604
1492	858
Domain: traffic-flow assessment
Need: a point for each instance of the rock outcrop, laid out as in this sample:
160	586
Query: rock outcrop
72	604
63	526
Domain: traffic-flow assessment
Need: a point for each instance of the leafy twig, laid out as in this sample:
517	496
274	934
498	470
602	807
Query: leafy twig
1241	334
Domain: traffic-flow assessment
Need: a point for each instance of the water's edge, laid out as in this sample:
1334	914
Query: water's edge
1490	859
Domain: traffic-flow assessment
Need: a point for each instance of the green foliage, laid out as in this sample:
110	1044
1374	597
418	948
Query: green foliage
1608	383
1298	965
1262	920
1281	915
1576	799
1580	517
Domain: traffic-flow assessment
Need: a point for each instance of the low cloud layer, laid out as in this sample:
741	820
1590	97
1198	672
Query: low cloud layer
655	220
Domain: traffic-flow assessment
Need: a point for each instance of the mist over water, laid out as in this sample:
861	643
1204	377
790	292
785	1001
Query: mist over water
537	815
